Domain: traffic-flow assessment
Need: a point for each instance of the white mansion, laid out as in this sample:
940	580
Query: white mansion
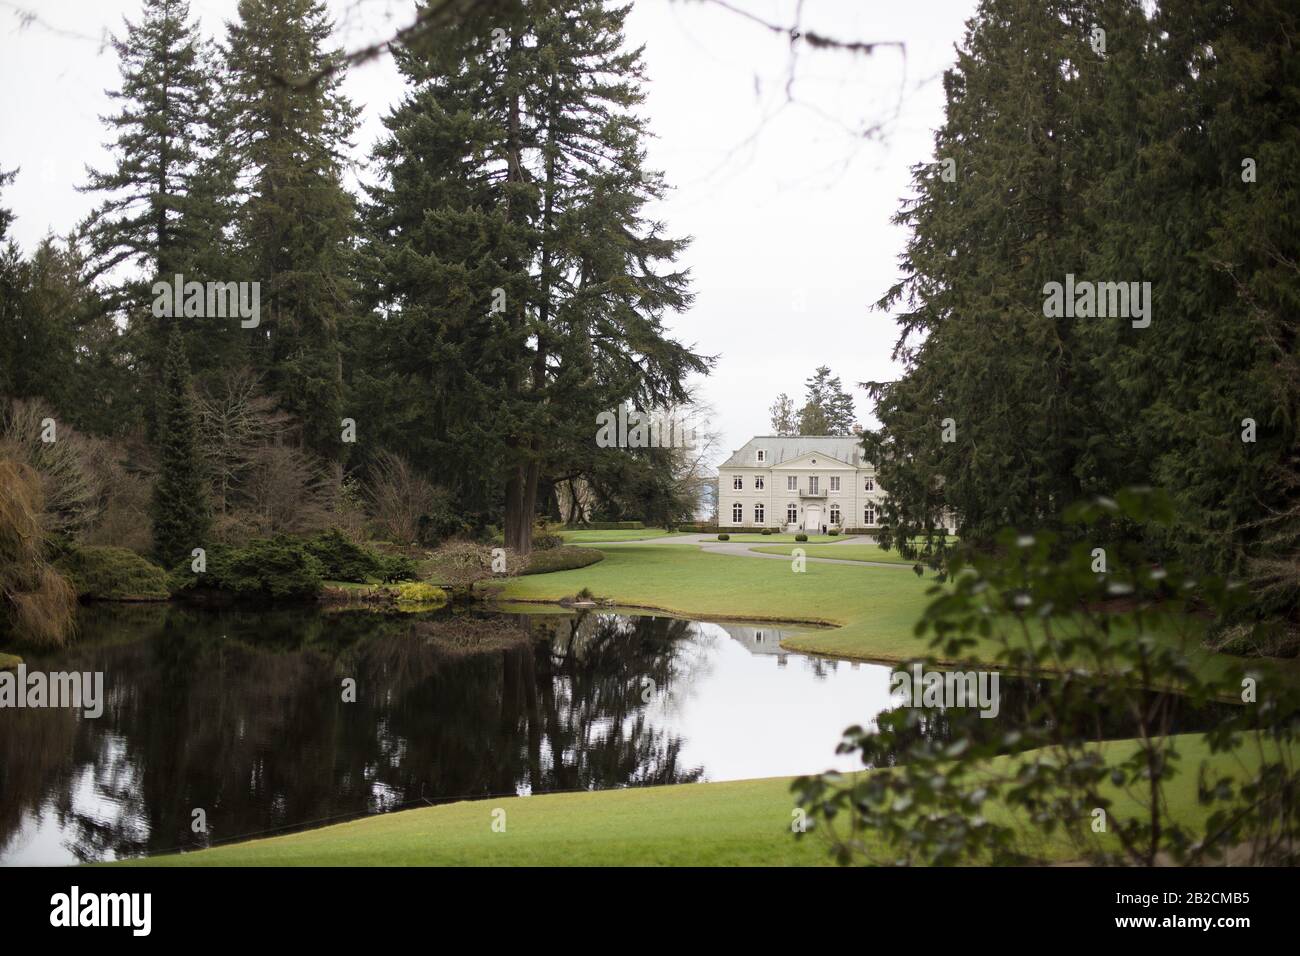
799	483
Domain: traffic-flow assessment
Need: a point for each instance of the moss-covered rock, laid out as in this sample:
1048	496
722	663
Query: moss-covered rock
103	573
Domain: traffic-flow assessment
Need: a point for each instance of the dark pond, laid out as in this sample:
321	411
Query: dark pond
242	714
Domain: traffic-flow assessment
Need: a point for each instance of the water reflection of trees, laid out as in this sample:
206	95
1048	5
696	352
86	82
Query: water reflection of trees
242	715
1017	699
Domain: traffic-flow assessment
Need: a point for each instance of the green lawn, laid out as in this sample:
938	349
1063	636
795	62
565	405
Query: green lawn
846	552
876	607
746	537
591	535
708	824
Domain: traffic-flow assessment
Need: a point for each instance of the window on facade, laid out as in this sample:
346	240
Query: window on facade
758	482
835	514
812	484
871	484
869	513
758	513
835	483
792	513
791	482
762	455
737	513
737	482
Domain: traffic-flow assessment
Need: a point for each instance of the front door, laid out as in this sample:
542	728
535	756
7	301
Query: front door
812	518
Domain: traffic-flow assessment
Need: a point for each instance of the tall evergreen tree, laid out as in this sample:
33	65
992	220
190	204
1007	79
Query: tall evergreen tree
181	516
995	417
783	416
147	227
164	96
827	408
522	288
287	129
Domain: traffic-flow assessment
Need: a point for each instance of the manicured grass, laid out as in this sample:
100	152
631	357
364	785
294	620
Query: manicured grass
592	535
736	823
847	552
876	607
748	536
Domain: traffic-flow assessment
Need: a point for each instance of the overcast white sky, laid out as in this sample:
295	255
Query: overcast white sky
789	205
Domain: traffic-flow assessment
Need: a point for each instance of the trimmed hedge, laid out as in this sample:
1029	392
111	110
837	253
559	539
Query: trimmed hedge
801	537
697	527
561	559
614	525
724	537
104	573
745	529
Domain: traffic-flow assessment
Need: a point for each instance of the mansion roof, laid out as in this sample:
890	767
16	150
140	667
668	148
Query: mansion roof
780	448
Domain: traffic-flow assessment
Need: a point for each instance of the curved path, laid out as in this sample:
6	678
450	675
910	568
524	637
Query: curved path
711	544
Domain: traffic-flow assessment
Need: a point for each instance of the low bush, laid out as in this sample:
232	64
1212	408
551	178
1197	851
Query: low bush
418	593
561	559
545	540
833	532
615	525
345	560
724	537
263	568
767	531
801	537
104	573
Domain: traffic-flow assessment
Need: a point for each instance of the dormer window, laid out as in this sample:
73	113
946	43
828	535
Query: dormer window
762	456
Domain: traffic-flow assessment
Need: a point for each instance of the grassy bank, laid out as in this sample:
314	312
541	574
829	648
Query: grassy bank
849	551
749	537
712	824
875	608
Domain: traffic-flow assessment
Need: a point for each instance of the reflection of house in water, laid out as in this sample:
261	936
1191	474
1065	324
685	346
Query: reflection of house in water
758	639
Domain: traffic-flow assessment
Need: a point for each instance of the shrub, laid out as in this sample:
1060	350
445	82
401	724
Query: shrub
833	532
105	573
801	537
263	568
345	560
412	593
767	531
615	525
545	541
405	505
36	603
460	565
724	537
561	559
